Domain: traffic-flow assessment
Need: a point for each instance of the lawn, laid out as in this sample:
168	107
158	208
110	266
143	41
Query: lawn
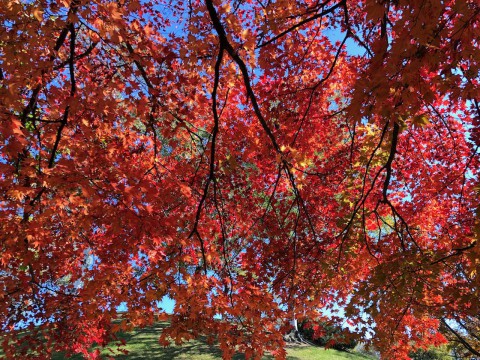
143	344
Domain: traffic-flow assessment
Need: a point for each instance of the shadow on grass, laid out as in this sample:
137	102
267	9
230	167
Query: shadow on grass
144	345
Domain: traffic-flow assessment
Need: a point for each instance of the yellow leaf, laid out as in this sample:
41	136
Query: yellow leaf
420	120
473	273
38	14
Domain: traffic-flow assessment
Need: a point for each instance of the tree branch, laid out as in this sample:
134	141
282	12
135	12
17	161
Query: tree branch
211	175
460	338
301	23
388	165
73	88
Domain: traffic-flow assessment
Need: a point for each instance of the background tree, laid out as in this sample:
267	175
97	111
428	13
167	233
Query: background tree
439	353
261	160
462	335
328	335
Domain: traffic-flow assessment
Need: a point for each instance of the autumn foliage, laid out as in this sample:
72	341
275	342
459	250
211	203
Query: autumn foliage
256	161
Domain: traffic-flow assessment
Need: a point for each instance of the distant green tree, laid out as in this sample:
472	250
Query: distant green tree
434	353
326	334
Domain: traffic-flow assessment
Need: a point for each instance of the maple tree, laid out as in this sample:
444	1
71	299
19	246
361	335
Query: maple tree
255	161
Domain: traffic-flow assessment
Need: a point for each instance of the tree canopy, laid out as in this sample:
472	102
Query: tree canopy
256	161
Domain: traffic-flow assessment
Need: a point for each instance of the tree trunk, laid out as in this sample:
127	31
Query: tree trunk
294	335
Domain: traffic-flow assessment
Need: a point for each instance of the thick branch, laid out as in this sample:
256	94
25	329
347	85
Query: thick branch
73	88
140	67
243	68
211	174
388	165
78	57
456	252
251	95
460	338
303	22
58	44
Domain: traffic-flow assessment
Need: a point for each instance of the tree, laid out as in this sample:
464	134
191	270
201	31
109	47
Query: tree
432	354
329	335
462	335
258	160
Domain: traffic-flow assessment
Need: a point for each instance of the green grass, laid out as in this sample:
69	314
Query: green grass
143	345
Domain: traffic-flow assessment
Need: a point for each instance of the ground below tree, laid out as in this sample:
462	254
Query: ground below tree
143	344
